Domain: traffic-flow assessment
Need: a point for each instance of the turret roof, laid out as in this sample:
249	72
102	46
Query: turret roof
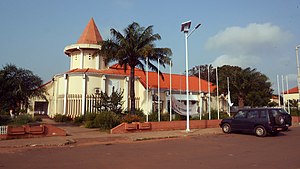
90	35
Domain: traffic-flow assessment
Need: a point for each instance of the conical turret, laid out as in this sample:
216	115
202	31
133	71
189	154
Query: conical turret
84	54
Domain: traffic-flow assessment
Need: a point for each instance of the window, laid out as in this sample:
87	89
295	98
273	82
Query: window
252	114
241	114
113	83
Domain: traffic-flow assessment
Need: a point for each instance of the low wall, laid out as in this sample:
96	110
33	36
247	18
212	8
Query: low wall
295	119
164	126
31	131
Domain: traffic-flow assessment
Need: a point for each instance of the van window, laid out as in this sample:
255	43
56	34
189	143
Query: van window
275	113
263	114
252	114
241	114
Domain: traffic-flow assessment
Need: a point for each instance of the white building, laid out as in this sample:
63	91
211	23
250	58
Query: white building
74	92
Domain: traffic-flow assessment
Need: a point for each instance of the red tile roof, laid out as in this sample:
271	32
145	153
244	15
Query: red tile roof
178	81
292	90
90	35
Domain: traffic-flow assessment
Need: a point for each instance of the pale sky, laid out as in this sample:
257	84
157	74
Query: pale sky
260	34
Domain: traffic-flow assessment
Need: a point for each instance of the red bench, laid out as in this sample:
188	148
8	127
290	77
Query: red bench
19	130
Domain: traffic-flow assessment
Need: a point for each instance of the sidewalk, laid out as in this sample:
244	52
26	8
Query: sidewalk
78	136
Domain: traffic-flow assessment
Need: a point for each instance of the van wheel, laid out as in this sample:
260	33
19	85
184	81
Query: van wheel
260	131
226	128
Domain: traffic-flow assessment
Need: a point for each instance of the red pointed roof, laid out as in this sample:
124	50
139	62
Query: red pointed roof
90	35
178	81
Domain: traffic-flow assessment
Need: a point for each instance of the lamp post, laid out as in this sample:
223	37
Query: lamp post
185	27
298	69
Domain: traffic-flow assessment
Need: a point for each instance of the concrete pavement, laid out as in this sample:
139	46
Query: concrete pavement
83	136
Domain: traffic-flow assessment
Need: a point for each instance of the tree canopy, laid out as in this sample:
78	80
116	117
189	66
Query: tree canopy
133	48
17	85
247	86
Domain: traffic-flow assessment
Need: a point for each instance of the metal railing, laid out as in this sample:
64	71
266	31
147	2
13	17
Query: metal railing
3	130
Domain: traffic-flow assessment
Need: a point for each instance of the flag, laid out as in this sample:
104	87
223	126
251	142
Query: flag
229	100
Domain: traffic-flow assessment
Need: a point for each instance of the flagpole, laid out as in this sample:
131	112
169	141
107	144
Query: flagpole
209	112
200	101
217	81
282	92
287	92
147	91
170	90
278	89
158	91
228	95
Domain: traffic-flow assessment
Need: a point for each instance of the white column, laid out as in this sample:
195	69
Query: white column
103	84
71	62
82	59
97	62
66	93
83	94
56	97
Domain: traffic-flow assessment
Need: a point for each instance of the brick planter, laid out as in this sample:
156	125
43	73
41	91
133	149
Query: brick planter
164	126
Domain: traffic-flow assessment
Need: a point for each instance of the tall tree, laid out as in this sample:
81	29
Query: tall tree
17	85
204	72
247	86
133	48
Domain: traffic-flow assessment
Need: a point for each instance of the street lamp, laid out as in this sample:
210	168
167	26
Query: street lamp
298	69
185	27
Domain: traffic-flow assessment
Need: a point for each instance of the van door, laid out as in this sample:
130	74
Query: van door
237	122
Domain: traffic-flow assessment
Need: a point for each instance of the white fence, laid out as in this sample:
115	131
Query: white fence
3	130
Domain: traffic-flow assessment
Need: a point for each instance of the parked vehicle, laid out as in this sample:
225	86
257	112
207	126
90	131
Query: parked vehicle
260	121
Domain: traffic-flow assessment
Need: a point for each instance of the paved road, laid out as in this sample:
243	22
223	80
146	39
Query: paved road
233	151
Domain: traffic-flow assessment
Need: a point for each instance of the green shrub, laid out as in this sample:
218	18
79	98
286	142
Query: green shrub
23	119
294	112
106	120
214	115
88	124
60	118
153	116
129	118
37	119
5	119
163	116
78	120
140	114
90	116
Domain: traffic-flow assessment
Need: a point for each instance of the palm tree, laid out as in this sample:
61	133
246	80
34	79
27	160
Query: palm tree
133	48
17	86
